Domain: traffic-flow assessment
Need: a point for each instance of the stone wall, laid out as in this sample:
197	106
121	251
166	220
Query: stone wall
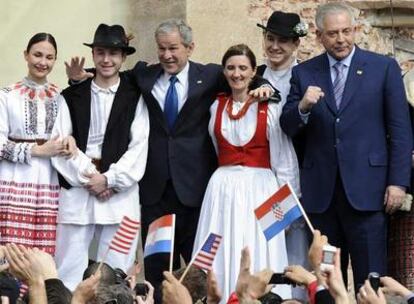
217	24
377	39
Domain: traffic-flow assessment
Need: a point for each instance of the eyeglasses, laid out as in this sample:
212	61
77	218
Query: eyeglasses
112	301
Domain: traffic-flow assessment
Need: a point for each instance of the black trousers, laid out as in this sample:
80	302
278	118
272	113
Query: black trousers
185	230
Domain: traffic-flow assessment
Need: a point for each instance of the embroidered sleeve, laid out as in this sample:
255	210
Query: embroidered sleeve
16	152
9	150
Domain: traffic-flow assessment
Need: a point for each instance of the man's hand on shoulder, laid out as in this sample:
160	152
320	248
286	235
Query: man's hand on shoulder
75	70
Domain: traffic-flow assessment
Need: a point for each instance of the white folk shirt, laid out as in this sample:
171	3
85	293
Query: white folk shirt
280	79
77	205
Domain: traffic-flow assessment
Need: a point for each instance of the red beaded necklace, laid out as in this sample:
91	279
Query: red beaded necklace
241	112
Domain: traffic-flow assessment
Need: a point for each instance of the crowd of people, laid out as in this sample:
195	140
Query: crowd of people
208	143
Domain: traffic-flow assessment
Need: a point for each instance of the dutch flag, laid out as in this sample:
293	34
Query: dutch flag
160	237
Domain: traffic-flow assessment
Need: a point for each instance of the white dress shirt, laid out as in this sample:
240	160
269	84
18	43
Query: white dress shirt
346	62
159	91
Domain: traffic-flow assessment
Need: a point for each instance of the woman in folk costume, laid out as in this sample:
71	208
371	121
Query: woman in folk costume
255	159
29	188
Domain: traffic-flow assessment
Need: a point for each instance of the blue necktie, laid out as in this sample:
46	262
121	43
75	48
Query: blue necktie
339	83
171	103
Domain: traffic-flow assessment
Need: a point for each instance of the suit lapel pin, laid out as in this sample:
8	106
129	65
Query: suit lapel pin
199	81
359	72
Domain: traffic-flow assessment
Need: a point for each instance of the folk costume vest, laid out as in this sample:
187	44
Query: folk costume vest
116	138
255	153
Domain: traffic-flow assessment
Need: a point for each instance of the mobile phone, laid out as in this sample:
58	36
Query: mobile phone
328	257
280	278
374	280
141	289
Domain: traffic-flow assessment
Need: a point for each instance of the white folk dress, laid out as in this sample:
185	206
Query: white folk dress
29	189
234	192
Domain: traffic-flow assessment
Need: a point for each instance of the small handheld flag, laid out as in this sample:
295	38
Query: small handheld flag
160	235
278	211
205	256
125	235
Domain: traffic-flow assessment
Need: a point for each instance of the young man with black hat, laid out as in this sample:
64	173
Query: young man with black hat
99	186
280	42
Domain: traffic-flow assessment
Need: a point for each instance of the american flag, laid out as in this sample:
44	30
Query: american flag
205	256
125	235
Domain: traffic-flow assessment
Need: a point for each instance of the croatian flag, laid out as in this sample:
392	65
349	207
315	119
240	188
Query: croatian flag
205	256
278	212
160	238
125	235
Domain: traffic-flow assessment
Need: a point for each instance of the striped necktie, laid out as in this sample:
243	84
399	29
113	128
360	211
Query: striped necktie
339	83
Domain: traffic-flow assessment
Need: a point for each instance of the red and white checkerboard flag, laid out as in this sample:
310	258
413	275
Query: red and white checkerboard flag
125	235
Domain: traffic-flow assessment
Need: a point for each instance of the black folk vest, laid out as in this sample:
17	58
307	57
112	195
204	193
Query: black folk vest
117	133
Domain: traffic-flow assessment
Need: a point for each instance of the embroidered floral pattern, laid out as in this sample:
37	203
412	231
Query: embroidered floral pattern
30	109
32	94
51	113
6	89
7	152
16	152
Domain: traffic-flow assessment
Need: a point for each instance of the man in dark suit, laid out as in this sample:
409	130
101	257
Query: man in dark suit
352	106
181	156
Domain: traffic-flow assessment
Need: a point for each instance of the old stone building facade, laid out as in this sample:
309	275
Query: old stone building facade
217	24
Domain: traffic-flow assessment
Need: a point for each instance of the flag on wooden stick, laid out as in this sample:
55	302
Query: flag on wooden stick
279	211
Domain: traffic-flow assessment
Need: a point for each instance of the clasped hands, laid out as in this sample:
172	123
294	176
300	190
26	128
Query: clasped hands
56	147
98	186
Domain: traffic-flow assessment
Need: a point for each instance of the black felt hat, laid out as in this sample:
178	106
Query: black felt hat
111	37
285	25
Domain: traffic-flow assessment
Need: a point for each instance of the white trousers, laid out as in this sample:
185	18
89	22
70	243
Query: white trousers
72	250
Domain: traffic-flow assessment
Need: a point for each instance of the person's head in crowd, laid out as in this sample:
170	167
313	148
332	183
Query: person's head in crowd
293	301
239	68
110	47
114	294
108	276
175	45
9	288
270	298
195	281
281	38
336	28
40	55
